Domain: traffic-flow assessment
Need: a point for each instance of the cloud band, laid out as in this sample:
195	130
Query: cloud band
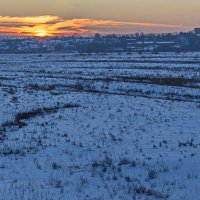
56	26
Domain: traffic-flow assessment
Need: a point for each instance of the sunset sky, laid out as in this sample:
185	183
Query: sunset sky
85	17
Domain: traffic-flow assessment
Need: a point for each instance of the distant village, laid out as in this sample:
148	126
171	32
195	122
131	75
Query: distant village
139	42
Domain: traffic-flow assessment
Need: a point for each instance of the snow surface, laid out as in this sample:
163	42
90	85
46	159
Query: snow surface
127	138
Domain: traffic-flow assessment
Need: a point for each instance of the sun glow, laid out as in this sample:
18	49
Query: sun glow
41	33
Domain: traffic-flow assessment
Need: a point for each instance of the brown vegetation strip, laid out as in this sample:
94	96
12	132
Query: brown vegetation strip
168	81
33	113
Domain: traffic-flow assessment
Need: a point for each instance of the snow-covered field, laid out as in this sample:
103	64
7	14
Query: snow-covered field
99	127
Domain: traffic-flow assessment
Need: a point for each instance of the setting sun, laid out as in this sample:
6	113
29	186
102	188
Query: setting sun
41	33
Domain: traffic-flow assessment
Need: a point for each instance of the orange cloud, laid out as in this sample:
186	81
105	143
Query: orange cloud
29	20
53	26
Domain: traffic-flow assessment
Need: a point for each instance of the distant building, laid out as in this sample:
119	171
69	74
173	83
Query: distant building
197	31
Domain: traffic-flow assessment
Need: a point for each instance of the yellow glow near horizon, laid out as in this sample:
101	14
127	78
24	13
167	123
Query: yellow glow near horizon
41	33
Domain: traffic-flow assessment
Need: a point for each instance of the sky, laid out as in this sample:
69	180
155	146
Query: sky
85	17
